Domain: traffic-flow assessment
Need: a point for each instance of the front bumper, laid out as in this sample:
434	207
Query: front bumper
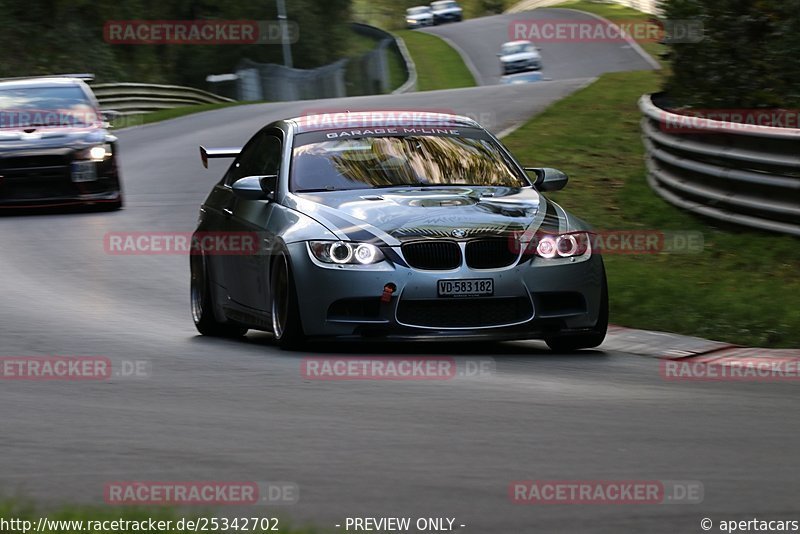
510	68
422	23
442	18
532	300
45	179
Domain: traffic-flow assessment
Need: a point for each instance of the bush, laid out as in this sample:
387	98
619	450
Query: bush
749	58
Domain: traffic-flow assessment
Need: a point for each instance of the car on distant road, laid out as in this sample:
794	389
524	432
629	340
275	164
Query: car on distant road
55	147
446	11
392	225
518	56
419	17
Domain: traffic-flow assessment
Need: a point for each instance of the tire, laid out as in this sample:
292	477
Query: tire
286	323
202	305
585	341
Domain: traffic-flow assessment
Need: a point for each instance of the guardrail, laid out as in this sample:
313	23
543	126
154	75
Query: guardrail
135	98
748	176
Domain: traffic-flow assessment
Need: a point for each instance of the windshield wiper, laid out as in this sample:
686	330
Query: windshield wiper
418	184
317	190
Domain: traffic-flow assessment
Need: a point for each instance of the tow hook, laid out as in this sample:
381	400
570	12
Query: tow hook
388	290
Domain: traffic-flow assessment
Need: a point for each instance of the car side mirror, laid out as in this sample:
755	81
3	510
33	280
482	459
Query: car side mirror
256	187
548	179
110	115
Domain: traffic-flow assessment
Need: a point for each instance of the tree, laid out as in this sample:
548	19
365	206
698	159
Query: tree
749	58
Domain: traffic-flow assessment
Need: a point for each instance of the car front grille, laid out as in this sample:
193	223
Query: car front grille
432	255
464	313
31	177
490	253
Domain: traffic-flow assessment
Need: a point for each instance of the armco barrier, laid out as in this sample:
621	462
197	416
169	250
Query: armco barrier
133	98
744	176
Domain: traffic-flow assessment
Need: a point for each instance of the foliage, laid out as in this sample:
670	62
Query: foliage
749	58
57	36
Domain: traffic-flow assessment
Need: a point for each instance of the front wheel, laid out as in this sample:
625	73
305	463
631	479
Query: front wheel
286	325
585	341
202	303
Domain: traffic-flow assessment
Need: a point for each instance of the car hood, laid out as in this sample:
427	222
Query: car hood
400	214
53	137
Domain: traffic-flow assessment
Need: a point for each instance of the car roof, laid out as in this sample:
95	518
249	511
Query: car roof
29	83
522	41
339	120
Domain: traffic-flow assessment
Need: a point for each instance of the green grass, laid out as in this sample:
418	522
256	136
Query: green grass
439	66
743	288
15	509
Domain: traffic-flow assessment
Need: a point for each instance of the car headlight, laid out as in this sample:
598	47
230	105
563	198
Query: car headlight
570	245
343	252
95	153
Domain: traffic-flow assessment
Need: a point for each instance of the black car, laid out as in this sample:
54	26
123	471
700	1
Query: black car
55	148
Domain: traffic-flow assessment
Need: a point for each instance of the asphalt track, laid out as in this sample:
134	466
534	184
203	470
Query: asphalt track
480	40
212	409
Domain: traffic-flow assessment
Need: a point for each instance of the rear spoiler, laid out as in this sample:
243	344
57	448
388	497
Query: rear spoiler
207	153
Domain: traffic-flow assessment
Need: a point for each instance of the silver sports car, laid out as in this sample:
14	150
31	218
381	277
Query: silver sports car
392	225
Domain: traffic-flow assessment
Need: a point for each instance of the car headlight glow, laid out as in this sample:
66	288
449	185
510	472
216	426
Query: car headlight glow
95	153
546	247
570	245
343	252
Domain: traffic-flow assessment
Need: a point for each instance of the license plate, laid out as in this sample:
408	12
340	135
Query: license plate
479	287
83	171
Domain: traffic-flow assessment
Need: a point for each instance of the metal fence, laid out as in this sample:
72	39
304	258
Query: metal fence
136	98
748	176
366	74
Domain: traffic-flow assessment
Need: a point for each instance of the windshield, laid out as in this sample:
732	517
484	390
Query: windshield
443	5
374	162
418	10
517	48
45	106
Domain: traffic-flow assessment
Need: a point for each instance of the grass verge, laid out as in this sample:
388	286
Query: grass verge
439	66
